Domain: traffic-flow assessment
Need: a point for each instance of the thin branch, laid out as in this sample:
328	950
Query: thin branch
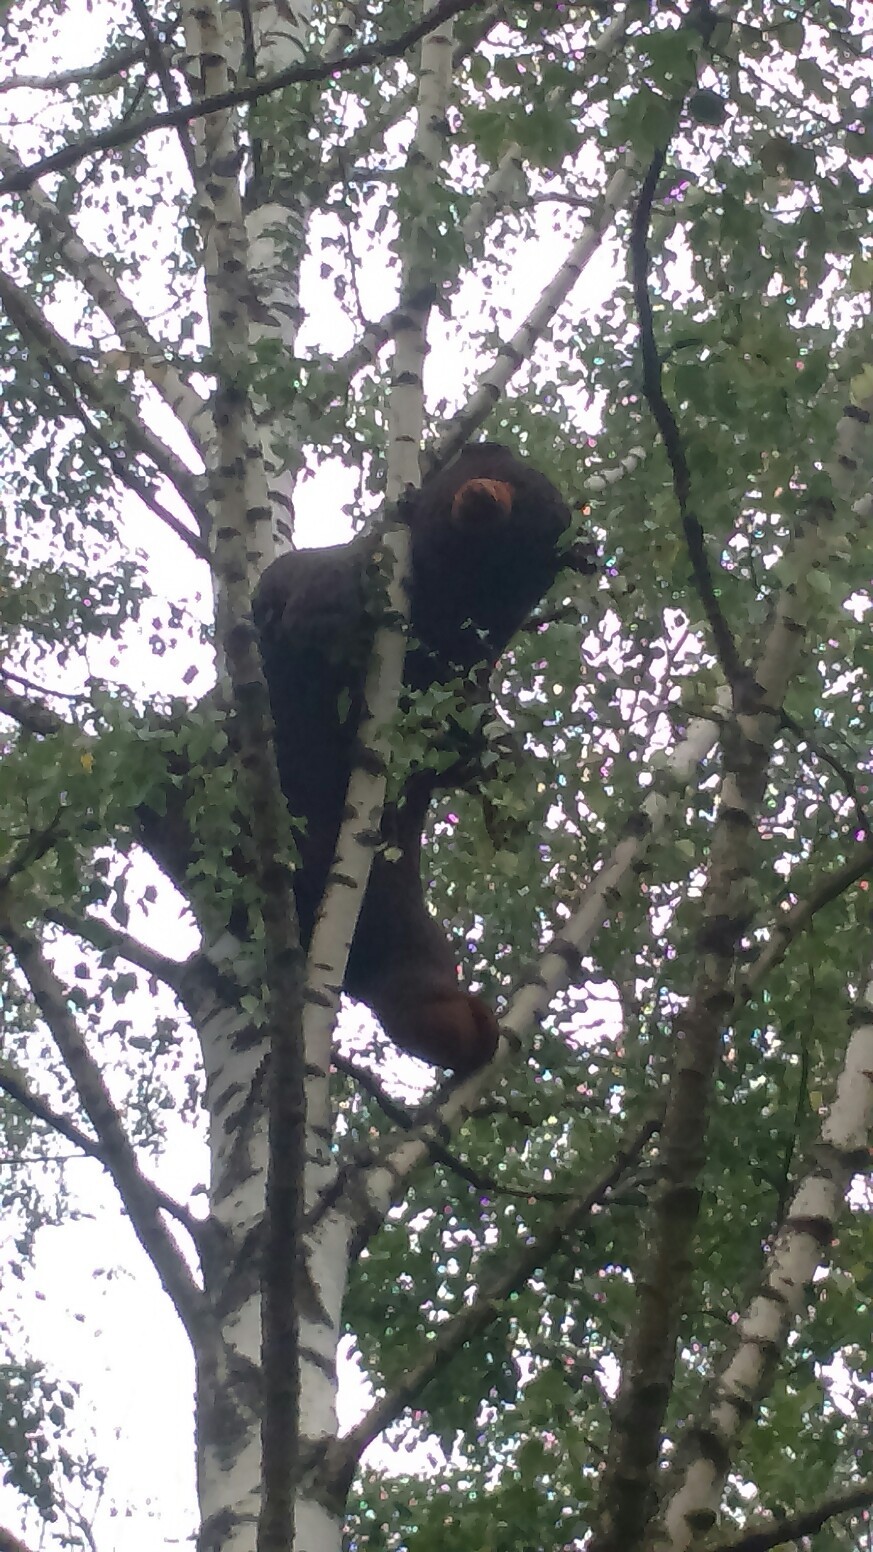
516	351
448	1339
41	1110
505	175
74	379
158	62
87	270
513	353
363	140
401	1117
788	925
487	1185
734	669
847	777
764	1535
124	134
103	70
110	939
31	849
138	1196
41	689
29	714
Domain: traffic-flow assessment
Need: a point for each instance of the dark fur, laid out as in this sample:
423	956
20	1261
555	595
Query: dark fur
486	539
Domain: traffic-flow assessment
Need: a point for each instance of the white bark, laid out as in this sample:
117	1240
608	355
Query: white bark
329	1243
336	924
514	352
277	232
788	1288
236	1043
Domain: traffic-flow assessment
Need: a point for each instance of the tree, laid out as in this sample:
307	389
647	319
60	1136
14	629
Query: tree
604	1273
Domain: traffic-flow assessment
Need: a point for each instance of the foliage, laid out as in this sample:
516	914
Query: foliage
760	255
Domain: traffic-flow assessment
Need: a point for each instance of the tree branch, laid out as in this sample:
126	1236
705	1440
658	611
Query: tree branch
488	1185
110	939
124	134
799	1252
74	379
136	1193
157	60
513	353
516	351
13	1085
33	716
369	1197
31	849
87	270
10	1543
454	1334
499	185
763	1535
785	927
847	777
628	1485
734	669
104	70
364	139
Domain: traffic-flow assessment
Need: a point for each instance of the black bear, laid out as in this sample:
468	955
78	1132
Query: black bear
487	539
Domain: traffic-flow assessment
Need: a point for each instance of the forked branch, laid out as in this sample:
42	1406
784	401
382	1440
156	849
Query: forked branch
139	1197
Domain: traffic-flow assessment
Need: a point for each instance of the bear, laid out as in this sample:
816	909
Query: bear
488	536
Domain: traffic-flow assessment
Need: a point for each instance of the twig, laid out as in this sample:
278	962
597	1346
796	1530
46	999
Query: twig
506	173
124	134
846	776
138	1196
488	1305
514	352
487	1185
41	689
786	926
734	669
795	1527
113	64
76	378
341	165
41	1110
87	270
35	846
162	71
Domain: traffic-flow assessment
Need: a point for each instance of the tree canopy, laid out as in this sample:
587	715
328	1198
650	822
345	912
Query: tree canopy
263	268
